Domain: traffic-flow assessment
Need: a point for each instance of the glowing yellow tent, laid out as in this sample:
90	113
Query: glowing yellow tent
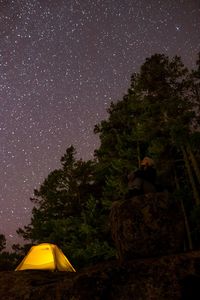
45	257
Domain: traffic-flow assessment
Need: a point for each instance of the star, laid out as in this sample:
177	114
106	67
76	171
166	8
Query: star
62	63
178	28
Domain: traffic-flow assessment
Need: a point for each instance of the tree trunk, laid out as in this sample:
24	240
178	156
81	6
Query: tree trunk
190	175
138	154
187	227
194	162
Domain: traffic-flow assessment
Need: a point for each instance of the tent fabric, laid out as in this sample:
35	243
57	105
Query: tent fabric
45	257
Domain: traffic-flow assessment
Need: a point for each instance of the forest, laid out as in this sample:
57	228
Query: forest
159	117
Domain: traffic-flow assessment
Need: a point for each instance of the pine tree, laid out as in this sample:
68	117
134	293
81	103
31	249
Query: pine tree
2	242
158	117
67	212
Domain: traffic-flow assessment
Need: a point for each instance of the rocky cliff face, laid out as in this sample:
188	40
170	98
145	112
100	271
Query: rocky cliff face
147	226
149	233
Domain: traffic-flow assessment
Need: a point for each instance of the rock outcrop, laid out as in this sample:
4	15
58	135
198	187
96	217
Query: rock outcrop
149	225
172	277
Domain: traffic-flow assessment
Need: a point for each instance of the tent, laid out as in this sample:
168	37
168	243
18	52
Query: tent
45	257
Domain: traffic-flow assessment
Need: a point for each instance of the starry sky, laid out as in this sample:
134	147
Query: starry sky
61	64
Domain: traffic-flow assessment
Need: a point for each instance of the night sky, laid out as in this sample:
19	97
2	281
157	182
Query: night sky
61	64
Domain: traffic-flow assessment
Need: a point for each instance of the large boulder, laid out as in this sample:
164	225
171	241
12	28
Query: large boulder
147	226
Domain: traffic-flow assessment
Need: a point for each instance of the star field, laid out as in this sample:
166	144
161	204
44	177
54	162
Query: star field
61	64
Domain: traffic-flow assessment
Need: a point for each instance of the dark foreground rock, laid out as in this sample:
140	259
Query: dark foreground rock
172	277
147	226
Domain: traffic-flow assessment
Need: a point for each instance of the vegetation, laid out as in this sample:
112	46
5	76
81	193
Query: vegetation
2	242
158	117
8	260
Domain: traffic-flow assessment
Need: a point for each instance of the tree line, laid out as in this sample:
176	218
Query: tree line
157	117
